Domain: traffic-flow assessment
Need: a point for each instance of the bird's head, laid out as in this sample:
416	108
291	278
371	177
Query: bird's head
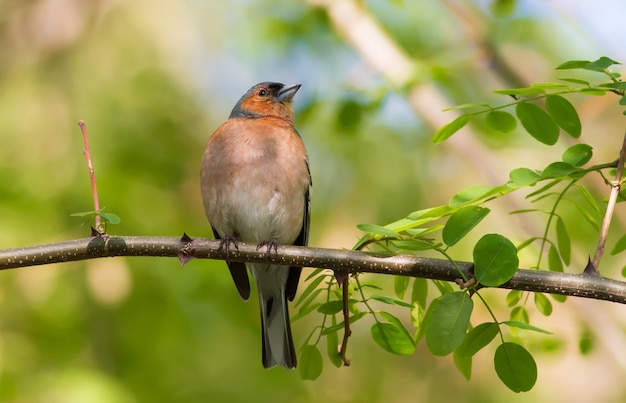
266	99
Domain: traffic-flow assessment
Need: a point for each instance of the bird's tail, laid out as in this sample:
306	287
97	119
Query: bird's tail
277	342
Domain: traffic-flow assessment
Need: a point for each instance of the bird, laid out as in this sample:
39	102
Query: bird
255	185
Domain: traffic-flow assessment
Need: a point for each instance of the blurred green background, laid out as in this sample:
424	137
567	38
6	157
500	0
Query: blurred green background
152	80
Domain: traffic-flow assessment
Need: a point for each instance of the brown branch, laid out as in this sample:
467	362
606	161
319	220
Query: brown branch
343	261
616	186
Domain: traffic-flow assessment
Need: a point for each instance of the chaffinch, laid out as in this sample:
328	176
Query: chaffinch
255	183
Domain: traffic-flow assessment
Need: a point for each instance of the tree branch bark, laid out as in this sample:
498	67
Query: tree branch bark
347	261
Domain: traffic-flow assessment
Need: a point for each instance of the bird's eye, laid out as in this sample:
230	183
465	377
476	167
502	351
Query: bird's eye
263	93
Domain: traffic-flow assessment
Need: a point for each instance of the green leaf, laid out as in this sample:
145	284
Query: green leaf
543	304
415	244
310	363
578	155
586	342
305	310
593	91
543	188
519	314
419	292
584	213
331	307
401	225
84	214
339	326
526	242
563	240
391	301
463	364
377	229
332	347
430	213
523	177
472	193
375	287
448	322
467	106
620	245
538	123
417	316
423	231
393	339
110	218
307	304
576	81
521	91
543	196
313	273
559	297
558	169
573	64
590	199
427	319
397	322
515	367
400	285
622	100
551	86
461	223
513	297
477	338
443	286
618	86
310	288
495	260
554	260
501	121
524	326
564	114
601	64
449	129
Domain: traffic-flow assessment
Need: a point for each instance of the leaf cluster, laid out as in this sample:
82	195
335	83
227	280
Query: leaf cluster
443	321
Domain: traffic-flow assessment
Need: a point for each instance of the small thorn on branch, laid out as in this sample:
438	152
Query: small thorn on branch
340	276
185	252
591	269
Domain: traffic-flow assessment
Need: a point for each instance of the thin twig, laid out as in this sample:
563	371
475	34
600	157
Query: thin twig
616	186
92	176
346	320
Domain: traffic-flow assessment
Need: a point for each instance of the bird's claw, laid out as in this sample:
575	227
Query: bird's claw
226	242
271	244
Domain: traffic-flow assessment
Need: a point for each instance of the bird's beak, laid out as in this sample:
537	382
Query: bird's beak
287	93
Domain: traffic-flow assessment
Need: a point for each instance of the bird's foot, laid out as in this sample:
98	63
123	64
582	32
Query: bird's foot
271	244
226	242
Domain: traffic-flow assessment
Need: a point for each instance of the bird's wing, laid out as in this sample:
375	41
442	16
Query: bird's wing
238	272
302	240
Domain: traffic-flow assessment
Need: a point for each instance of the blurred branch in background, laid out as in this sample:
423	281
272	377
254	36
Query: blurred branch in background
578	285
352	20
